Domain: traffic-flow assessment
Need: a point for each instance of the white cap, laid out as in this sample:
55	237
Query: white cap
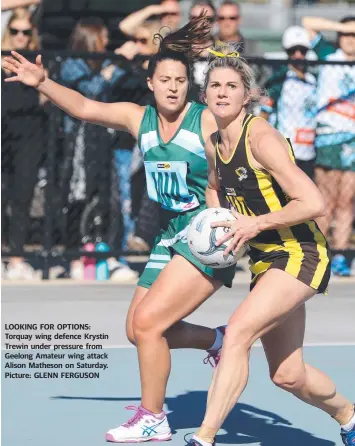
295	36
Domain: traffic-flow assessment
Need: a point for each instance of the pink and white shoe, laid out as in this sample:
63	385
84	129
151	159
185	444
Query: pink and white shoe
214	356
143	426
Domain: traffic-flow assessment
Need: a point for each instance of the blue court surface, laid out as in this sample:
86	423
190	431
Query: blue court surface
63	412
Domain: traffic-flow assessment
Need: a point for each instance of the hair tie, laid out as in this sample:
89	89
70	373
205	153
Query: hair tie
219	54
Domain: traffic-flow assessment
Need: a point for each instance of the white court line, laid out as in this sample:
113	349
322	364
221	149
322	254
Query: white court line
128	346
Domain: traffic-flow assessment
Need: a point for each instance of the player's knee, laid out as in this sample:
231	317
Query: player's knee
238	334
289	378
144	325
130	334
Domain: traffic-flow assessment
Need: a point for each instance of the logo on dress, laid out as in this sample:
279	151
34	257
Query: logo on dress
231	191
219	174
242	173
163	166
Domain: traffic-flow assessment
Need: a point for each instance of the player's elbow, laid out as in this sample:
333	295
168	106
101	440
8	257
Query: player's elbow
84	110
318	207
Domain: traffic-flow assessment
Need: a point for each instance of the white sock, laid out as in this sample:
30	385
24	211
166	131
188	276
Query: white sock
347	427
218	341
203	442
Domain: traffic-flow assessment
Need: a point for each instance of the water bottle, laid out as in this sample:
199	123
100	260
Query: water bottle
102	271
89	263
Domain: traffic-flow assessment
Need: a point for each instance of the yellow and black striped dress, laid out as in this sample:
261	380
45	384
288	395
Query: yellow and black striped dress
300	250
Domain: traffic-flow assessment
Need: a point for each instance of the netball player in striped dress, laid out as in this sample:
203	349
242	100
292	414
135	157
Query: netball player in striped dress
252	166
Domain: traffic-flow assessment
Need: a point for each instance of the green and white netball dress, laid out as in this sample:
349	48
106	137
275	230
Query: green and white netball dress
176	174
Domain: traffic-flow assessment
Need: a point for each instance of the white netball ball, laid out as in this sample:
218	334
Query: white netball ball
201	239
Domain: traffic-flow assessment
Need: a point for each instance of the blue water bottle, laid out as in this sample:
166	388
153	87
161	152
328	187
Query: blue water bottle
102	271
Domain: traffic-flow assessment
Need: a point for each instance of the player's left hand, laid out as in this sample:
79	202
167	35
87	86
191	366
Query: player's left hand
240	231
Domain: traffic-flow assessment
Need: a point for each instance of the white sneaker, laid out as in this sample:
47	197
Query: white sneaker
20	271
143	426
121	273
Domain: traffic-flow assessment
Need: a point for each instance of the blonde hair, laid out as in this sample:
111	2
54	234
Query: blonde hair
20	14
228	56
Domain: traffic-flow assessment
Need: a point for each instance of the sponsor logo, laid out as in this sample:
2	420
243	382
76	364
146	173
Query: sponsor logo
242	173
230	191
163	166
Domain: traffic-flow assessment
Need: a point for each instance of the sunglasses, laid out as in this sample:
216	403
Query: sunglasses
302	49
142	40
173	14
25	32
209	19
221	18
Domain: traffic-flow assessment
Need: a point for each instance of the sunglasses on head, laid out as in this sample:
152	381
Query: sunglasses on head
142	40
25	32
209	19
232	17
302	49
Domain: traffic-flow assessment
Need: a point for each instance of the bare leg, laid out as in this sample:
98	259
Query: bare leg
264	309
344	211
328	183
168	301
284	351
180	335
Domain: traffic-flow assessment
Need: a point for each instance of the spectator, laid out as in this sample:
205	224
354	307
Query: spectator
23	123
229	19
6	10
86	174
335	133
291	104
168	11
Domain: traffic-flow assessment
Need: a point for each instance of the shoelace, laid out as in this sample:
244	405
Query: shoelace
136	417
212	358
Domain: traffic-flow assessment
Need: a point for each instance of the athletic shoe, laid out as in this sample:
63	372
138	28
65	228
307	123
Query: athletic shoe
214	356
348	437
195	442
143	426
340	266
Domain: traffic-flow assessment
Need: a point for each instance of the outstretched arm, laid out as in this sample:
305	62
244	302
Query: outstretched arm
122	116
12	4
314	25
129	25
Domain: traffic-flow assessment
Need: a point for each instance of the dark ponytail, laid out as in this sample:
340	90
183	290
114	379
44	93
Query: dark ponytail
184	45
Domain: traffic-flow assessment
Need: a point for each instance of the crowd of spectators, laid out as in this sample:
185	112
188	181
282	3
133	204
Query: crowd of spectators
100	189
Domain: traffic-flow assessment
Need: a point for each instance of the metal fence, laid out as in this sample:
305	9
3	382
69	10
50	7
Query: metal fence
61	179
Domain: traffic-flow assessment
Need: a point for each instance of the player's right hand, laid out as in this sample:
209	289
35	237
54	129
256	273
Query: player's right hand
31	74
